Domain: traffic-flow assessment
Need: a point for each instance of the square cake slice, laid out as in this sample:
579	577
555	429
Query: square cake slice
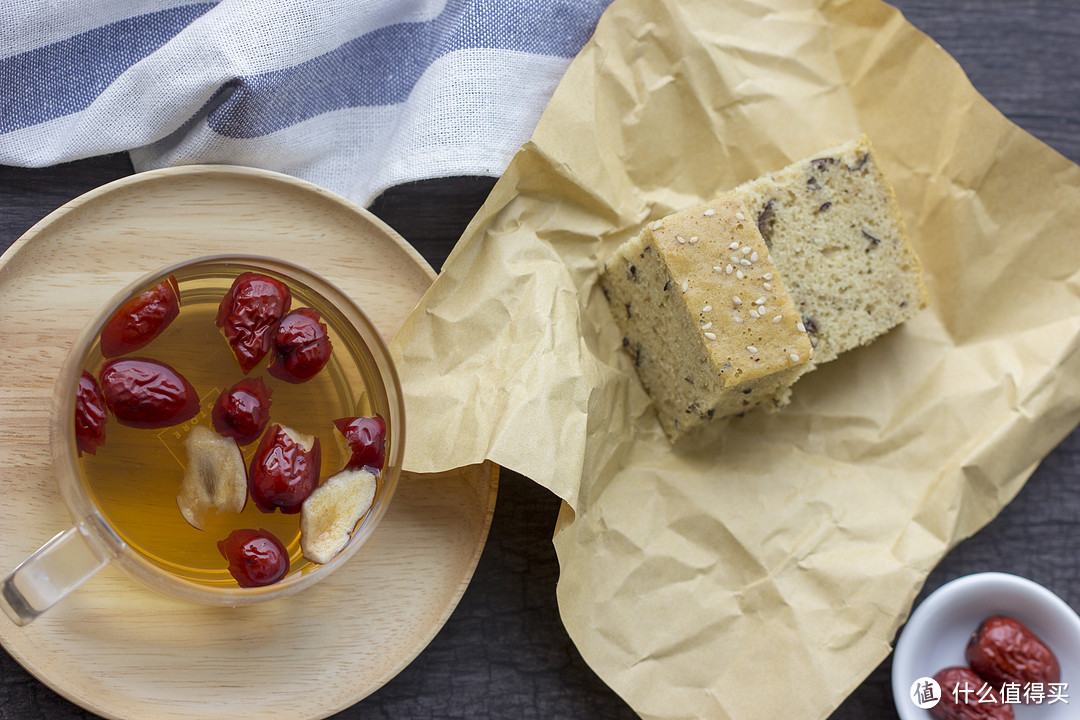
835	231
705	315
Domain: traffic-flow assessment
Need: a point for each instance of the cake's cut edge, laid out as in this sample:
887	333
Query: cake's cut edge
706	316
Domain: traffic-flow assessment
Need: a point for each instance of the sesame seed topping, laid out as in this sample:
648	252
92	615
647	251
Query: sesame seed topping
737	319
710	212
680	239
685	285
794	357
754	313
753	257
760	301
802	328
767	286
739	274
746	250
657	225
734	260
711	336
693	239
733	246
706	326
717	268
707	308
778	318
735	299
745	263
751	349
767	276
728	269
739	216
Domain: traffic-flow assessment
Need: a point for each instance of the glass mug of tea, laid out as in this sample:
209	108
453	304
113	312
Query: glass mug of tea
228	430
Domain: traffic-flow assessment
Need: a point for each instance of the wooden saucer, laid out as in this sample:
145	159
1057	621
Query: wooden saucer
120	650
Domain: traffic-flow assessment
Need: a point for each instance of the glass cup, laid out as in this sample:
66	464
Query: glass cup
363	377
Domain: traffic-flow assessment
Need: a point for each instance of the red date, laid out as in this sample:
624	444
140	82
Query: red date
366	437
966	696
147	394
242	411
249	314
284	470
256	557
301	346
90	415
141	319
1003	649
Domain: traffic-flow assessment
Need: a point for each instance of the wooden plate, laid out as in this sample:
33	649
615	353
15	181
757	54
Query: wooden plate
120	650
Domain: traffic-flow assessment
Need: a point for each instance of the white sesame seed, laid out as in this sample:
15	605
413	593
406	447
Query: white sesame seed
657	225
745	263
778	318
739	216
693	239
733	246
794	357
706	326
711	336
685	285
707	308
746	250
767	286
737	319
802	328
767	276
728	269
754	313
739	274
760	301
710	212
734	260
751	349
681	239
717	268
753	257
735	299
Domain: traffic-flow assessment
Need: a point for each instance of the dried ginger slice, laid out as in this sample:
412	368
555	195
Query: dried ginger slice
215	478
329	515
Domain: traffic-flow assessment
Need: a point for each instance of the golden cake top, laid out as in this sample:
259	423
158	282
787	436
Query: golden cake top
722	267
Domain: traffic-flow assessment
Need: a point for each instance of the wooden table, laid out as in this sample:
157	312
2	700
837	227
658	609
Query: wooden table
504	652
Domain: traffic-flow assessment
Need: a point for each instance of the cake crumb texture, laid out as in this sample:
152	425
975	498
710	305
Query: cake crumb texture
836	234
705	315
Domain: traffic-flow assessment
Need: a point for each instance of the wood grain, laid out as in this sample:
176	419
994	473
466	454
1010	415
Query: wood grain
123	651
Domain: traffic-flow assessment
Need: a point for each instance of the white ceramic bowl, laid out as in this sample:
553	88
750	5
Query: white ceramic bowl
937	633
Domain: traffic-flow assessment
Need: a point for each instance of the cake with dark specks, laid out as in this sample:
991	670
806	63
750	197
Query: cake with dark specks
724	305
837	237
705	315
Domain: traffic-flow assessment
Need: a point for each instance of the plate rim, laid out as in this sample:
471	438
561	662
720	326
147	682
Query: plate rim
123	183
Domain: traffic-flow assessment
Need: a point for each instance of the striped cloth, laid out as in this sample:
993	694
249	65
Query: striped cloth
354	95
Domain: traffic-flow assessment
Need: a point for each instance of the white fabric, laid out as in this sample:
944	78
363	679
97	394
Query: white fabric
354	95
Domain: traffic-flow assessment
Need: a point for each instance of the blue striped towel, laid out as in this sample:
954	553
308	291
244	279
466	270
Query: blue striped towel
354	95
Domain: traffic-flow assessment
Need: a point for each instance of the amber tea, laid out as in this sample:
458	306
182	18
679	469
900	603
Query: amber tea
136	474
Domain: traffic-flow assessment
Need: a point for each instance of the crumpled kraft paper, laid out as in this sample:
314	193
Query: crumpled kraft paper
763	570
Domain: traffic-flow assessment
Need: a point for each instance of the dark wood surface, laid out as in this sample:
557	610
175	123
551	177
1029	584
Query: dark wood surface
504	652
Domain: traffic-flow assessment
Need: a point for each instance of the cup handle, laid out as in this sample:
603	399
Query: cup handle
54	570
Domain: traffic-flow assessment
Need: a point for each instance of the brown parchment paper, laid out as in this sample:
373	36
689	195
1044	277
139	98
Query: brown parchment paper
763	570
